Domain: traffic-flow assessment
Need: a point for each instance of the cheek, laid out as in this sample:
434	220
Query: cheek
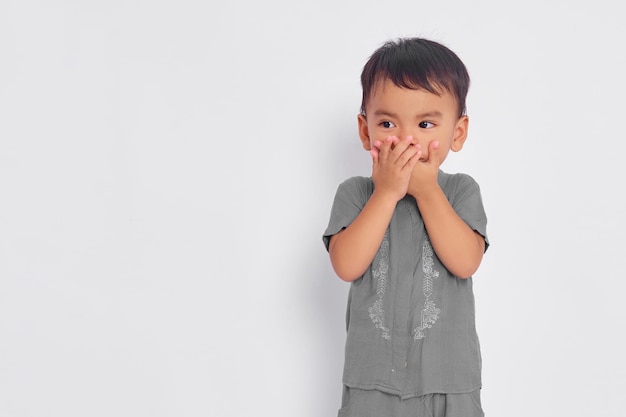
376	133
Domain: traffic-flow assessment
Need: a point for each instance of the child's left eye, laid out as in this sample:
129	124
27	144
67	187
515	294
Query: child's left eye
426	125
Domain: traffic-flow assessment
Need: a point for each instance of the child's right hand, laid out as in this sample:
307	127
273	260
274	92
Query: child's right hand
392	163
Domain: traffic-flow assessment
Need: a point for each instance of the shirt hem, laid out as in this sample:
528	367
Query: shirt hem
406	396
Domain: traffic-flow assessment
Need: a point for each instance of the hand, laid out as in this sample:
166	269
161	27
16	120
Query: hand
425	173
393	160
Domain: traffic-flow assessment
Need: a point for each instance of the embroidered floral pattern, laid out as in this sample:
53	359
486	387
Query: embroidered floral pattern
377	313
430	312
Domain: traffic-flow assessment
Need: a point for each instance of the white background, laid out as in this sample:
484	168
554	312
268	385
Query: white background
167	170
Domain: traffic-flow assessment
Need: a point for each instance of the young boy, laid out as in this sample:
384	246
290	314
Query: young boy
409	239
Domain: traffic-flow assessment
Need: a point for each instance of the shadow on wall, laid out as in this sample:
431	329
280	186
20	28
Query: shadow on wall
326	297
322	294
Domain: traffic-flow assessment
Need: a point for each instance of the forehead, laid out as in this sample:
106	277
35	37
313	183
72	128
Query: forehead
387	96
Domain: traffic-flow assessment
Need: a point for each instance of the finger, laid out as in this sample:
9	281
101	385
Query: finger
405	151
433	152
374	152
414	159
400	148
385	148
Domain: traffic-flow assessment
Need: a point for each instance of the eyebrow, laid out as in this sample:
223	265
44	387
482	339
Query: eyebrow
426	115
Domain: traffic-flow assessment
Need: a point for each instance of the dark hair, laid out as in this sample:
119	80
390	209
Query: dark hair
417	63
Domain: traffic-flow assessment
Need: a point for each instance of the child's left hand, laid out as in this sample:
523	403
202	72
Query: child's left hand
425	173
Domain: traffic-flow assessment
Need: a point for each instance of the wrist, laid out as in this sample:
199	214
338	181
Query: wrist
385	197
424	191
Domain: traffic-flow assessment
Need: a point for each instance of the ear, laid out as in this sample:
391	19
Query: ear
364	133
460	134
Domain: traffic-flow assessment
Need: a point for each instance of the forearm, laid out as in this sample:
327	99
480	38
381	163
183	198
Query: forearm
353	249
457	246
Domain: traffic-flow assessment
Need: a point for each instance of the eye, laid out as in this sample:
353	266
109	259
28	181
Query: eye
426	125
387	124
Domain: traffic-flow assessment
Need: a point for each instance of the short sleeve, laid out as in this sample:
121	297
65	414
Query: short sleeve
468	204
351	196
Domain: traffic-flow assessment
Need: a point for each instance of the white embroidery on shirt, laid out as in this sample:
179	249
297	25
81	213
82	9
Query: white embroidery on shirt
377	313
430	312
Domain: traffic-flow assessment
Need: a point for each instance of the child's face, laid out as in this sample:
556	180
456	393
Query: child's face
401	112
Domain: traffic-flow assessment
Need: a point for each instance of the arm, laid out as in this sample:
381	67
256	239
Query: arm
457	246
353	249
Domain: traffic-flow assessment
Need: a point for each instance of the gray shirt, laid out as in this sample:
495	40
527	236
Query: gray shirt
410	322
